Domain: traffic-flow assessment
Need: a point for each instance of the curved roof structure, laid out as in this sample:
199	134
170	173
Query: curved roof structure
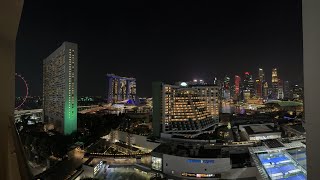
285	103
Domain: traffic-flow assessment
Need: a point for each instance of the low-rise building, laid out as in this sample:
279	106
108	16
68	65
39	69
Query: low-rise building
91	168
287	106
181	162
138	141
259	131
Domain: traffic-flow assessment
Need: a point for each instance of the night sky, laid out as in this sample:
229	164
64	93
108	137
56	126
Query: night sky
168	41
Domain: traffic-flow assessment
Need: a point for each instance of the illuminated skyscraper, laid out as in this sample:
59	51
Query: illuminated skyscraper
248	84
274	81
287	90
60	77
246	95
245	80
280	89
184	109
261	75
237	81
226	88
215	81
265	90
120	88
297	92
274	75
258	84
226	82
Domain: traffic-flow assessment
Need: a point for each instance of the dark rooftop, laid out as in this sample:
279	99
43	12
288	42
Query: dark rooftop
88	161
126	146
272	143
259	129
298	127
198	152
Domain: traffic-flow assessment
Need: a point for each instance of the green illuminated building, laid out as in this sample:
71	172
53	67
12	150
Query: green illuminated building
60	77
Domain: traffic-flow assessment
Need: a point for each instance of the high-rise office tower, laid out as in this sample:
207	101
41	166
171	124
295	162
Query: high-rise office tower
251	87
287	90
258	85
246	88
226	88
265	90
280	89
120	88
274	81
248	84
246	95
246	80
237	81
184	109
297	92
226	82
232	92
215	81
261	75
60	77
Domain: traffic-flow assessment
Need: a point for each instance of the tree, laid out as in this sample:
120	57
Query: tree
44	148
28	140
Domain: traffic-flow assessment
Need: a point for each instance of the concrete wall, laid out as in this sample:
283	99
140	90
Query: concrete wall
176	165
311	60
263	136
10	151
137	140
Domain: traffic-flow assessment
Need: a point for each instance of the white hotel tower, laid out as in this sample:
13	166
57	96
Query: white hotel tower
60	77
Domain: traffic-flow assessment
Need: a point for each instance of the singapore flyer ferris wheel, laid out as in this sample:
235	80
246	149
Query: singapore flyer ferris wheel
26	93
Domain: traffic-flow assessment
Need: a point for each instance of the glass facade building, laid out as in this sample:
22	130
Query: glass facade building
274	81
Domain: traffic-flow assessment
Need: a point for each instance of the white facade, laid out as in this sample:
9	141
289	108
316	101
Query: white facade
136	140
194	168
36	114
186	167
262	132
264	136
90	171
189	109
60	87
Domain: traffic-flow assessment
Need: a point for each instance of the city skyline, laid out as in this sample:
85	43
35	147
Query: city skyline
147	90
172	45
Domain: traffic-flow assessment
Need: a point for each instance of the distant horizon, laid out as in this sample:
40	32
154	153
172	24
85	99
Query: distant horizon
268	79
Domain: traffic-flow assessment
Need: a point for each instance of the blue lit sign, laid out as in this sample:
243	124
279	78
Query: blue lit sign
194	161
208	161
